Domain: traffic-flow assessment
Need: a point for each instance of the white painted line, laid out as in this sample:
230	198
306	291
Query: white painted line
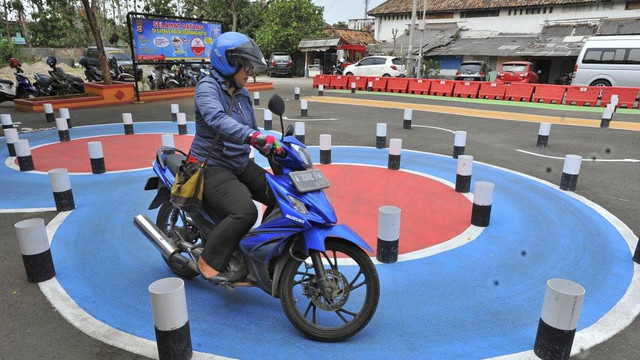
583	159
309	120
434	127
30	210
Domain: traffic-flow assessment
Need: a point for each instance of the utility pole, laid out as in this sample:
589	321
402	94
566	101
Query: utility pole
423	27
411	28
366	8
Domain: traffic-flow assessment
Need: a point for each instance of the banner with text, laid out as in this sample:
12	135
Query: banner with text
166	40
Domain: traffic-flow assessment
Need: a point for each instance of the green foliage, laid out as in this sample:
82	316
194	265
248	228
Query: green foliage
7	51
286	23
59	26
248	13
160	7
430	68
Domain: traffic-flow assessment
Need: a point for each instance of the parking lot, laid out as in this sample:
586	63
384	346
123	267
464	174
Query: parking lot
500	134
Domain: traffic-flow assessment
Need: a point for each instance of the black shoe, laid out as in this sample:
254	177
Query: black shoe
227	277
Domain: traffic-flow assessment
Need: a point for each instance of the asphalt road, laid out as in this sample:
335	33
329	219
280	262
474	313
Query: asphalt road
33	329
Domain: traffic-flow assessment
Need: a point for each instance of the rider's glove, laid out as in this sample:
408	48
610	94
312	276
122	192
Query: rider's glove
266	143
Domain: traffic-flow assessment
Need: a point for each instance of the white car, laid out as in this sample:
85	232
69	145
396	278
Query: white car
377	66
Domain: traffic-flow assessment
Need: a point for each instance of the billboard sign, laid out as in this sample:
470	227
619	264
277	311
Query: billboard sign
170	40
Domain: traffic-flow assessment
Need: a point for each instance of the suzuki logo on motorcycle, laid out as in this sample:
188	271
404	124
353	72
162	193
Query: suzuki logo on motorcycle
294	219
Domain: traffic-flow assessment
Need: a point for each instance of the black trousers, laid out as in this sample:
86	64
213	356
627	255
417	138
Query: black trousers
231	197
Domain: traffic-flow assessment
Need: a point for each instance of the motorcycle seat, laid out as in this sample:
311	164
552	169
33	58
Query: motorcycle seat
4	81
173	162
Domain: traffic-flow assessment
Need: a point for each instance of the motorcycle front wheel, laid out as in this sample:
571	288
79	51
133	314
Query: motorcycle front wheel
181	228
349	301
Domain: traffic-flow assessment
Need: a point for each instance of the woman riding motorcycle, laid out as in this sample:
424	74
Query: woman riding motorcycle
224	111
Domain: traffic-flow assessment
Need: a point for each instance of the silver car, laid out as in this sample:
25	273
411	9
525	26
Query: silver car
377	66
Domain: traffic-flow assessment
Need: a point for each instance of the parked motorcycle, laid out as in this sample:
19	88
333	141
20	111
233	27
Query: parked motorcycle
117	71
58	82
24	89
92	73
161	78
327	285
7	91
184	75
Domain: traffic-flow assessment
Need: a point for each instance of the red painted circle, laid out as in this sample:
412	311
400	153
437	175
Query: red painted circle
432	212
121	152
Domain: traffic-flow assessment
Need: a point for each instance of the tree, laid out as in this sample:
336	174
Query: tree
286	23
235	15
17	5
91	10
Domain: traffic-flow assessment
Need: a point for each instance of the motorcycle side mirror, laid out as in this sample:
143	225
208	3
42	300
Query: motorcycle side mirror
289	131
276	105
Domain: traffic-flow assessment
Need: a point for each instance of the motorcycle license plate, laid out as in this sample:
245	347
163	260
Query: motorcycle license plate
309	180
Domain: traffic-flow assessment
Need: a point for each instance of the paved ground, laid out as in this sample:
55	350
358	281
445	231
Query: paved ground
35	330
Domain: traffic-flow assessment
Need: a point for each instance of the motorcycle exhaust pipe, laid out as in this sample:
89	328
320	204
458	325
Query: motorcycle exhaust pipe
166	247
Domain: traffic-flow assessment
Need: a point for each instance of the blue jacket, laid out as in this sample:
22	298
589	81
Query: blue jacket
211	104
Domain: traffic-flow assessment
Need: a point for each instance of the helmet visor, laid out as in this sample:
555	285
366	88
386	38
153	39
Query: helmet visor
247	55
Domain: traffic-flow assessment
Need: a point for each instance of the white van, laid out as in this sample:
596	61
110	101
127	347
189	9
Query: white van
609	61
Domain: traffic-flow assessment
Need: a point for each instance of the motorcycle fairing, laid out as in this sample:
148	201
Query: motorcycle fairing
314	238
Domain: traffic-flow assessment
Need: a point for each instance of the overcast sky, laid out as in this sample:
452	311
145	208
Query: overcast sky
343	10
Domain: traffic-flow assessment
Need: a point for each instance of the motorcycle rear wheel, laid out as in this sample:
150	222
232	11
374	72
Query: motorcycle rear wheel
163	222
355	291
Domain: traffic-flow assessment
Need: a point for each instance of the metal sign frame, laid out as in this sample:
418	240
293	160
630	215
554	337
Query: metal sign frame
134	57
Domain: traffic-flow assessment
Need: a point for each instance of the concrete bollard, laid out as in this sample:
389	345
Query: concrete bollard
614	101
48	113
256	98
459	143
11	135
268	118
370	86
353	87
298	131
175	110
64	113
35	250
63	130
570	171
304	108
5	120
463	173
168	141
61	186
607	115
96	157
127	120
388	234
320	90
325	148
381	136
395	150
636	254
296	93
170	318
182	123
482	200
559	318
408	115
543	135
23	153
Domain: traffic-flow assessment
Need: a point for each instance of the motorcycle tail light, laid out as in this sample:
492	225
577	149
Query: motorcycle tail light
394	67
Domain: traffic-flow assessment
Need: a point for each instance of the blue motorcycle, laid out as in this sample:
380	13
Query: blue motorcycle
328	286
24	89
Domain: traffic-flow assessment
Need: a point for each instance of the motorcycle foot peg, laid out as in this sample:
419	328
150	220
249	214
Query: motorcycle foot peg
178	259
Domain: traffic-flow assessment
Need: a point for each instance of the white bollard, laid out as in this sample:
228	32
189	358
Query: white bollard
296	93
175	109
381	136
127	120
388	234
268	117
96	157
167	141
543	135
304	108
64	113
559	319
299	131
353	87
5	120
459	143
607	115
463	173
482	200
570	171
182	123
23	153
48	113
36	253
370	86
320	90
614	100
408	115
63	130
395	150
325	148
256	98
61	186
171	319
11	135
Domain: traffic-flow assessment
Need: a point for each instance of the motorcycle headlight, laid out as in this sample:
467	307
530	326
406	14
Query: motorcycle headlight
304	155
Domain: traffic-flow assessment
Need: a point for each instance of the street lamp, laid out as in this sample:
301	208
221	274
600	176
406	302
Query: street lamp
423	27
